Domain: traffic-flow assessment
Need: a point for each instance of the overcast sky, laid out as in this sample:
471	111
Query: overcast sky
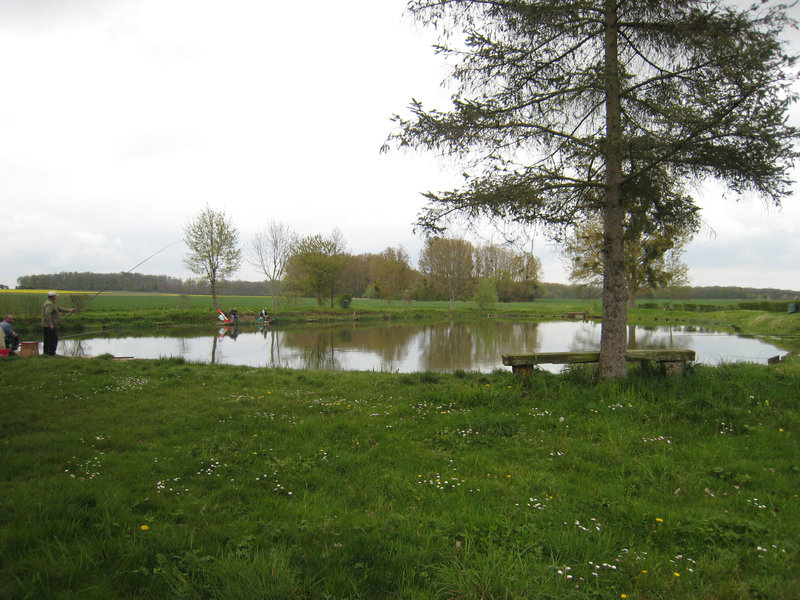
120	119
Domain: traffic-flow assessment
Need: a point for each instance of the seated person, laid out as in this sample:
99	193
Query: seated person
10	336
264	316
233	315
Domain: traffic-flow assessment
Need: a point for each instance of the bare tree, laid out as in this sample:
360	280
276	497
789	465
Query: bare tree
269	250
448	264
391	273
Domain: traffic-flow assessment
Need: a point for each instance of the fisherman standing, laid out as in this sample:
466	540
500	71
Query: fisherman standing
50	319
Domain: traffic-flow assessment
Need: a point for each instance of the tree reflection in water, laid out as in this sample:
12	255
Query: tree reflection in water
444	346
71	348
460	345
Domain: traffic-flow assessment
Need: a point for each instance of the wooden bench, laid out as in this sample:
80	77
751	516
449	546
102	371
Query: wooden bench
673	361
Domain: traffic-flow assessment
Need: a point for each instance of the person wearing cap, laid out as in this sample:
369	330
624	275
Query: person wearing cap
50	318
11	338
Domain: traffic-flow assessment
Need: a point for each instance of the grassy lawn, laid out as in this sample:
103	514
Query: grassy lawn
163	479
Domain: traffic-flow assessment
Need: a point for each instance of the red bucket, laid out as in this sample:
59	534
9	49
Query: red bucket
3	351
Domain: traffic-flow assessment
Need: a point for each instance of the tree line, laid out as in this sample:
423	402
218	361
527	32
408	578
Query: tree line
321	266
165	284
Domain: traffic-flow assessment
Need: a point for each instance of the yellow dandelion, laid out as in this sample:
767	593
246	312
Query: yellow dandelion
644	572
659	520
623	595
676	574
144	527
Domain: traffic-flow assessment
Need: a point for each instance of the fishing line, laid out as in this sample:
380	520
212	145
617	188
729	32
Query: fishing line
121	276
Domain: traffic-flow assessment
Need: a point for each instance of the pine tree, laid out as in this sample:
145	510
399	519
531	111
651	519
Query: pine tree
563	109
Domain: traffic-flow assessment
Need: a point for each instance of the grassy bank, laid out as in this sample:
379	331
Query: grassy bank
159	479
125	311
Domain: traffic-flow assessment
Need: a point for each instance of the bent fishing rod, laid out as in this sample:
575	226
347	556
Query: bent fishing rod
113	283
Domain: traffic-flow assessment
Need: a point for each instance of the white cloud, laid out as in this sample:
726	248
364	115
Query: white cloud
122	118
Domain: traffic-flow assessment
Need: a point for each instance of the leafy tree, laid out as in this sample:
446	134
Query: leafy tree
391	273
213	248
485	294
652	257
316	264
566	109
448	265
515	275
269	251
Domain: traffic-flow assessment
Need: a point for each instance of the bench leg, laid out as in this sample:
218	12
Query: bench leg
673	368
522	371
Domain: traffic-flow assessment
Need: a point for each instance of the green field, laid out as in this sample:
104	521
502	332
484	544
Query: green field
116	310
159	479
131	301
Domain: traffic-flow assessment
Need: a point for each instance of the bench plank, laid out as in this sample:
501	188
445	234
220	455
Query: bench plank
563	358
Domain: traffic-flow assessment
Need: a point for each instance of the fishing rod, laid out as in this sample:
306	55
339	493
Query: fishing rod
112	283
121	276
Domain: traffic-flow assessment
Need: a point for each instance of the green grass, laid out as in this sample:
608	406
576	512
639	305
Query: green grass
164	479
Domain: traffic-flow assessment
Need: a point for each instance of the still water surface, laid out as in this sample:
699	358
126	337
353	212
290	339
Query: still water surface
447	346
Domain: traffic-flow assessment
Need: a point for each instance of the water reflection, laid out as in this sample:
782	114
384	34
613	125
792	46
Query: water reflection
445	346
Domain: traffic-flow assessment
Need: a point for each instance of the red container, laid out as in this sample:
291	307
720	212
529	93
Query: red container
3	351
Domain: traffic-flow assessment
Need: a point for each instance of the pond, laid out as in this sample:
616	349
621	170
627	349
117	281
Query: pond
446	346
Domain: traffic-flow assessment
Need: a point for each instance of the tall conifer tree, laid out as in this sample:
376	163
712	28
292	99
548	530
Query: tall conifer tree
567	108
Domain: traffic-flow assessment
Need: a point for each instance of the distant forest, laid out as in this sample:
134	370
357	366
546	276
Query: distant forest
135	282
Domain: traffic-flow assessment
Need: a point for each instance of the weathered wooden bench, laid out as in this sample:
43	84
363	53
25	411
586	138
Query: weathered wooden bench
673	361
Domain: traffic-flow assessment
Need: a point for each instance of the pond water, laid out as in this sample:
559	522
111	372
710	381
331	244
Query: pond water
447	346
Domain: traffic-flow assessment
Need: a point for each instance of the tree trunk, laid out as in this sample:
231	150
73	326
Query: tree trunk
613	336
631	299
214	294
